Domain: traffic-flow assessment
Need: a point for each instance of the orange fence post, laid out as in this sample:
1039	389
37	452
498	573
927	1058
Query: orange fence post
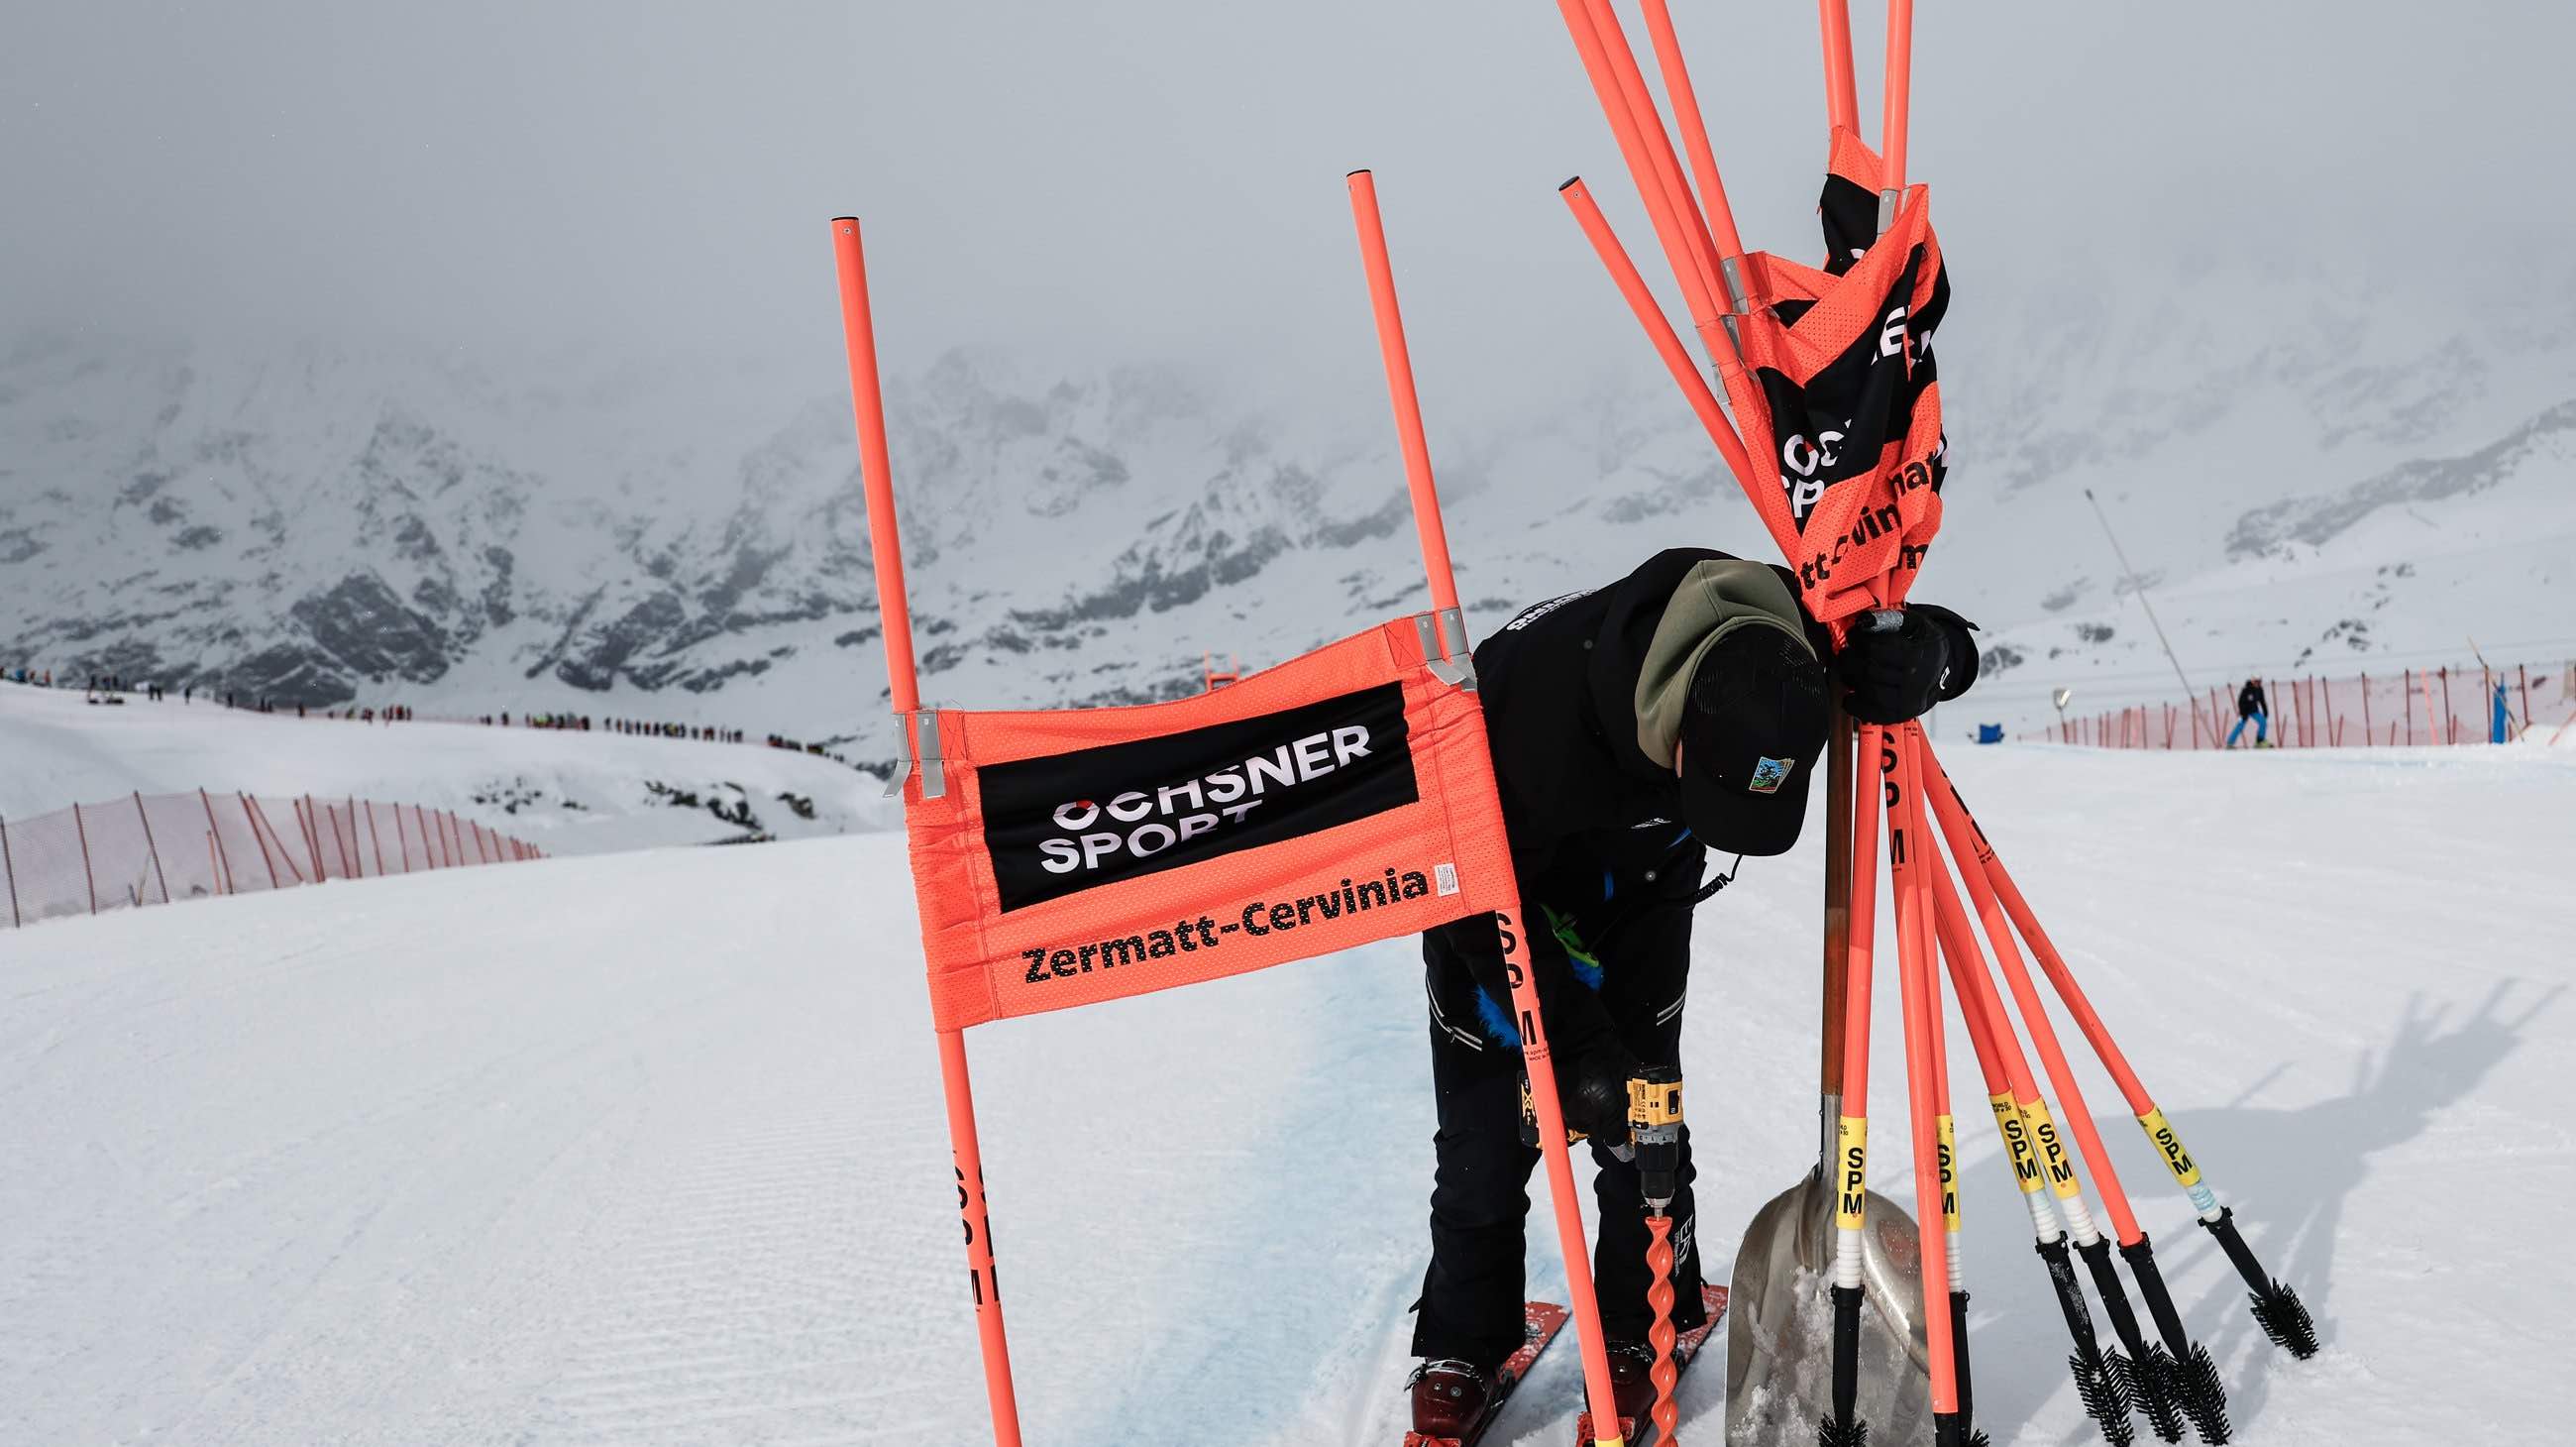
215	832
1535	1055
151	847
9	868
86	873
2450	722
312	838
375	839
272	848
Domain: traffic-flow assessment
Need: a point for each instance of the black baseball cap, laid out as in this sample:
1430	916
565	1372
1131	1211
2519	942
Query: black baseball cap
1731	697
1753	732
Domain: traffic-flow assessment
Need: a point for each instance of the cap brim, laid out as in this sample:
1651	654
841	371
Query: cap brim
1738	821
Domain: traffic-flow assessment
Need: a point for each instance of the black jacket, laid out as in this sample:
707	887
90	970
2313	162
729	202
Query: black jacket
1595	826
2249	700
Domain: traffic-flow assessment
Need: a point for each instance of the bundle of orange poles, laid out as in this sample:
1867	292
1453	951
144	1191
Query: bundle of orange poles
2170	1378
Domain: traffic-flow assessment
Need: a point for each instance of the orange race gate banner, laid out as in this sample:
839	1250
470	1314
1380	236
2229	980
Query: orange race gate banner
1066	857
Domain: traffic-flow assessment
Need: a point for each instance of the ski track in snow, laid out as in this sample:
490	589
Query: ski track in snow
649	1148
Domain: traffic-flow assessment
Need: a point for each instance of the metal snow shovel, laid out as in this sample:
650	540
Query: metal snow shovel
1779	1322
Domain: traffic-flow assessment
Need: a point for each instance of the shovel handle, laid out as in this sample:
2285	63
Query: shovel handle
1838	893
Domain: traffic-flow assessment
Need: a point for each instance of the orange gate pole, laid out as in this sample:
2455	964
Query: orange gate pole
1686	249
1899	101
1907	858
1842	97
1571	1237
1687	119
1668	343
885	546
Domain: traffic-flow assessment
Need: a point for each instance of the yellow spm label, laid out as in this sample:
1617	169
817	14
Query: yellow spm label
2052	1151
1851	1182
1949	1175
2016	1134
2177	1160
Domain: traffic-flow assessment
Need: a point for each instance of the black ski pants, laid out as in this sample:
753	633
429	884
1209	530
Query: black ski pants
1473	1292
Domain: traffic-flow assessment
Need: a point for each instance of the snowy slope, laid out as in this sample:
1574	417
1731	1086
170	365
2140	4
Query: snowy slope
648	1149
566	792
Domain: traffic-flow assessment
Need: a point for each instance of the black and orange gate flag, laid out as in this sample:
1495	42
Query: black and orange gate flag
1063	857
1836	439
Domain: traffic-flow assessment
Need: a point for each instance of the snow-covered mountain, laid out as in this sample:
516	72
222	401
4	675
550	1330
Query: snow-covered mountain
2305	475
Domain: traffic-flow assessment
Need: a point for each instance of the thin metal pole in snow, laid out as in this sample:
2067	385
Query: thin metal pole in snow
2140	589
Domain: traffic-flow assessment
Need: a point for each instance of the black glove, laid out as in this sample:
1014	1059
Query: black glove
1894	675
1592	1089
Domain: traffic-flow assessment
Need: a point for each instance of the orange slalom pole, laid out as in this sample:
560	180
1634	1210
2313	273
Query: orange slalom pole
1649	118
867	402
1906	859
1680	252
1900	98
1572	1241
2051	962
1694	129
1842	98
1398	357
2190	1383
1668	343
2030	1136
1969	844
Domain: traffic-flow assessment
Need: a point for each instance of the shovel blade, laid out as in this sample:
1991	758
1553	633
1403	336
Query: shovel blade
1779	1330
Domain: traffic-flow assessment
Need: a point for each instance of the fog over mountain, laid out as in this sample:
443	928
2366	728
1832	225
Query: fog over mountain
487	357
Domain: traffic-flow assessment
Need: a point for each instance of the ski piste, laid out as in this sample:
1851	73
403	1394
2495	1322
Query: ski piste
1640	1431
1540	1322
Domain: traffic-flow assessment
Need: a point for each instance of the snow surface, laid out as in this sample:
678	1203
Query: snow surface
564	792
648	1149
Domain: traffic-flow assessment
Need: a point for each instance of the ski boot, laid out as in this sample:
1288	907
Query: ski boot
1632	1383
1449	1397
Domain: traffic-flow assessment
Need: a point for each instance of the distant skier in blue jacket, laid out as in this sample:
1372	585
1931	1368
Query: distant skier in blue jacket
2251	708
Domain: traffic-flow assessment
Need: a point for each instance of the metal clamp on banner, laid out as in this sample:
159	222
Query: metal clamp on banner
934	779
1458	670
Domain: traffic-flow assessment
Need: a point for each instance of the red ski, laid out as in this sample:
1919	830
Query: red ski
1540	1321
1640	1431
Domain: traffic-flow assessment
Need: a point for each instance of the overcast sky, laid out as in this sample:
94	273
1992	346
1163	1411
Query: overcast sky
1154	178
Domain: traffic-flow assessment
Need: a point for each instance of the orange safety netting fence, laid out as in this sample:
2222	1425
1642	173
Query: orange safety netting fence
2449	704
153	849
